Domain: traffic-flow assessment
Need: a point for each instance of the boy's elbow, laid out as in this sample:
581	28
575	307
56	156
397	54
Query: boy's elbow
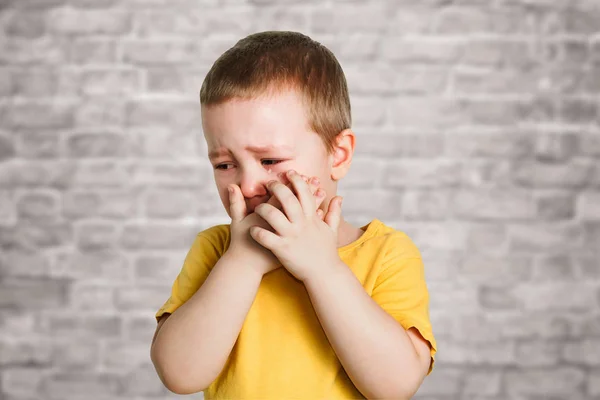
177	381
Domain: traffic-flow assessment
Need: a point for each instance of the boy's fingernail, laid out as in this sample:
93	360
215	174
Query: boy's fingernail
291	172
315	181
280	175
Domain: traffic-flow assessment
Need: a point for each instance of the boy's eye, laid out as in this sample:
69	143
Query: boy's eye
223	166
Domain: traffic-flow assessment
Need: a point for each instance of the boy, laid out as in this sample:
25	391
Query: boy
290	301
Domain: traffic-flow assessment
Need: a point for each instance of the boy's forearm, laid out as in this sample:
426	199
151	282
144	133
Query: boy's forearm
193	345
373	348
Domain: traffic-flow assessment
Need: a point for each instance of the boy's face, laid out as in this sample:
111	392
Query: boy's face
279	126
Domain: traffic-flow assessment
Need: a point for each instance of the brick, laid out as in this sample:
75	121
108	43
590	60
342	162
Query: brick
36	234
502	144
564	380
157	268
555	296
142	381
425	204
157	236
165	144
8	214
77	326
442	236
447	380
159	174
424	112
142	298
493	204
463	20
33	293
105	111
20	173
483	382
7	148
16	322
367	18
160	52
495	354
503	270
34	82
370	110
26	24
578	111
441	265
413	19
106	203
24	353
181	115
539	353
497	53
487	235
489	111
46	50
34	115
83	50
484	81
417	173
110	81
175	80
556	147
544	236
591	232
169	203
588	207
474	328
76	355
71	384
485	173
295	19
572	175
587	265
557	267
403	145
91	296
386	79
125	354
540	109
140	328
39	204
38	144
593	383
171	21
23	263
22	382
451	295
498	297
555	206
585	352
100	265
92	145
104	174
422	50
72	21
96	235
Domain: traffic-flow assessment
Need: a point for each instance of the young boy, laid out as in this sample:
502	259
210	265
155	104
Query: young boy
290	301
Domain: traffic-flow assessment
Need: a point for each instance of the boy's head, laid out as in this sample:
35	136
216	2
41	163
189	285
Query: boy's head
281	90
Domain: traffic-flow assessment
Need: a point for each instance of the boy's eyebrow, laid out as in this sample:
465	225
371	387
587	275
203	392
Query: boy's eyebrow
255	149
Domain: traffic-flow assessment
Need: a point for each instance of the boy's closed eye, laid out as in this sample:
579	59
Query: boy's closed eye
275	162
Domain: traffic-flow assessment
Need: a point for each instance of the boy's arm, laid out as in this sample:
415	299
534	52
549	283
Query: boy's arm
381	358
191	347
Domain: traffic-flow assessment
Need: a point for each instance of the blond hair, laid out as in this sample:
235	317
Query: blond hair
272	61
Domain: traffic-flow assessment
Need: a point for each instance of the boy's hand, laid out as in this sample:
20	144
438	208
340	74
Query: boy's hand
242	243
302	241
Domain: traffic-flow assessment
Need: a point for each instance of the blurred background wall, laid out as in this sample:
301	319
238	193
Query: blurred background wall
478	135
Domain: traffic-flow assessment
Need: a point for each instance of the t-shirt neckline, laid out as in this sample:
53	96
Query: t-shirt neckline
369	229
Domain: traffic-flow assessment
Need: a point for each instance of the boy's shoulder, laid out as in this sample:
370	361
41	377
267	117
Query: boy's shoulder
391	241
218	236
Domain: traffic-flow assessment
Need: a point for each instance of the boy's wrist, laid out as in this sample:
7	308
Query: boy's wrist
237	258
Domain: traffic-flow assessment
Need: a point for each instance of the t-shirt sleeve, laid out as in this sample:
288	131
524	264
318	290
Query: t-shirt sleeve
207	248
400	289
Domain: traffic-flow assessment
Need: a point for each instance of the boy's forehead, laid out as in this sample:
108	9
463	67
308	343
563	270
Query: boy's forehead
214	152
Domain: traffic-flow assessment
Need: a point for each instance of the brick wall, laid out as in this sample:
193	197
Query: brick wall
478	135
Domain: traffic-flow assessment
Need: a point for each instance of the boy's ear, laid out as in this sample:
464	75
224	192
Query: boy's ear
342	154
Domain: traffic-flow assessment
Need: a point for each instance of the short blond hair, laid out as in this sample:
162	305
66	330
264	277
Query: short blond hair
272	61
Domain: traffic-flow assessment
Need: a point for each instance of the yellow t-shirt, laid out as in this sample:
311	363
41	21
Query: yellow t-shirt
282	351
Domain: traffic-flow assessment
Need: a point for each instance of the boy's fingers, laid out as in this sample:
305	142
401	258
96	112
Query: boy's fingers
237	206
